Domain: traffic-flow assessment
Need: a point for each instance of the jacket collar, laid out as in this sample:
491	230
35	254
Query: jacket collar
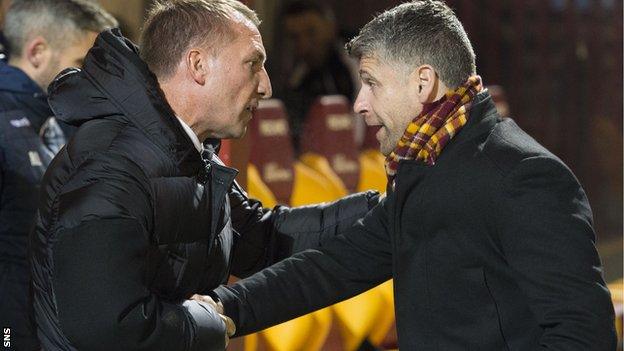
15	80
482	118
25	93
116	83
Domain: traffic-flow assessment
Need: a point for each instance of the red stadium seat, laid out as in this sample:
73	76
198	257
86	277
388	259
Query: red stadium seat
370	141
272	156
271	151
329	132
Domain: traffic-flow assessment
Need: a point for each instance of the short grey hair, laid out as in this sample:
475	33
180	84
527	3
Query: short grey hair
417	33
58	21
178	25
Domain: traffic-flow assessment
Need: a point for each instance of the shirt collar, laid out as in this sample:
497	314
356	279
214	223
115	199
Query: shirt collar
191	135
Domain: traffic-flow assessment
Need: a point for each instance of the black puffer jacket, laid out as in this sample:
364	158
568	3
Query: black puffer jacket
131	223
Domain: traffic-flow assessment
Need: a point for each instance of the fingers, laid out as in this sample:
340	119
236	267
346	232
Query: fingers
207	299
230	328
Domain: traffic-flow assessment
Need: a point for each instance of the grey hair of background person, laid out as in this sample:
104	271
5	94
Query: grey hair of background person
182	24
60	22
417	33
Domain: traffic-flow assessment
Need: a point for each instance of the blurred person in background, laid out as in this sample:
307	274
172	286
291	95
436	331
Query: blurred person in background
316	62
4	6
138	215
487	234
45	36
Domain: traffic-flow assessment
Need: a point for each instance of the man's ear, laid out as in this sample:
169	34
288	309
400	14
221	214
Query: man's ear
427	81
197	65
37	52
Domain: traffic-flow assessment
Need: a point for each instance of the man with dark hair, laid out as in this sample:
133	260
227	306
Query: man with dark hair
488	236
315	63
45	36
138	216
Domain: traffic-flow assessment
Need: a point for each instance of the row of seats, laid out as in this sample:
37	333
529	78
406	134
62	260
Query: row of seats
329	167
327	148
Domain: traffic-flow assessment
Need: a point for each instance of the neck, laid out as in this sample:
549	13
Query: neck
182	105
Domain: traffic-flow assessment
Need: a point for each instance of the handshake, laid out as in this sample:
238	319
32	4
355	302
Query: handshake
230	328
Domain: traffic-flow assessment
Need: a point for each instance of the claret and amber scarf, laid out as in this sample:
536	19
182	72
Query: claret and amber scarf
431	130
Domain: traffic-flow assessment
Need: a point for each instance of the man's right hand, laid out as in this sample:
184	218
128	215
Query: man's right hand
218	306
230	327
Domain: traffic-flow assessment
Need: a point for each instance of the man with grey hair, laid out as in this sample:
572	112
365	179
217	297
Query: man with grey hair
44	36
488	236
138	216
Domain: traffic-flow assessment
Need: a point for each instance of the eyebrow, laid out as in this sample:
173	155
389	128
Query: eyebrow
258	55
366	75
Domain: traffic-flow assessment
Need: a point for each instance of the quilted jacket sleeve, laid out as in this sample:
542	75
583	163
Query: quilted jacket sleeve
268	236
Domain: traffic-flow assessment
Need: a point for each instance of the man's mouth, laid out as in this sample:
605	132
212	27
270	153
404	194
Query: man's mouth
375	126
252	107
379	131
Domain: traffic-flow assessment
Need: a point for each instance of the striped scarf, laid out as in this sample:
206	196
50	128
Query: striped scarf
431	130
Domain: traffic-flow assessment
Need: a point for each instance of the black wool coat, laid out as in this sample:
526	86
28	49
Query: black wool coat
132	222
492	248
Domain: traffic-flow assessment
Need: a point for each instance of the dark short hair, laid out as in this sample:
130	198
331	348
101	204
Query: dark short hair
416	33
178	25
58	21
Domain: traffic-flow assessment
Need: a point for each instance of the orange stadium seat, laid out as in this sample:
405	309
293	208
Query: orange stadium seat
321	165
291	335
386	319
311	187
617	295
306	333
373	173
258	189
363	316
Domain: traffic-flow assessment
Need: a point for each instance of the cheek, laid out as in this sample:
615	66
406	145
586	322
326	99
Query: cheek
388	110
247	87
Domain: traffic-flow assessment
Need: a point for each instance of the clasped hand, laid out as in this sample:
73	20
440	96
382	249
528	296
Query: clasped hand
230	328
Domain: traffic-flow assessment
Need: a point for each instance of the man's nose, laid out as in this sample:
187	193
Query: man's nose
264	87
360	106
